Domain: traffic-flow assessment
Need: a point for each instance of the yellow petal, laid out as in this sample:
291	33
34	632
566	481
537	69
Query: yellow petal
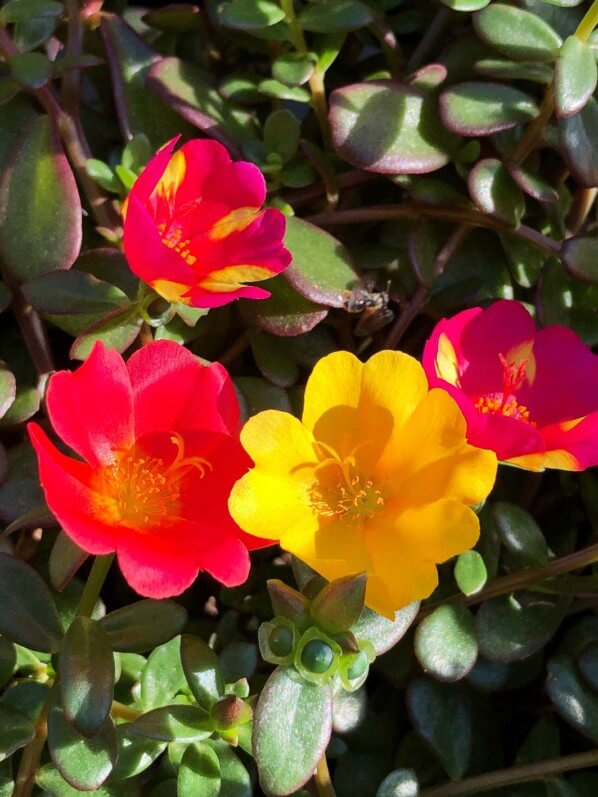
398	578
271	506
278	442
336	541
335	381
395	381
557	459
171	291
229	278
235	221
429	458
173	176
437	532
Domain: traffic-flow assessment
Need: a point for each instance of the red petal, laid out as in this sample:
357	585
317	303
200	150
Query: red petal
72	502
91	408
174	392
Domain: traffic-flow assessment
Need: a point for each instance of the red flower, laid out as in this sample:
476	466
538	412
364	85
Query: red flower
159	440
194	230
529	395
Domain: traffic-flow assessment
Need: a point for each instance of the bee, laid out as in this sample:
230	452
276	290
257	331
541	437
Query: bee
371	304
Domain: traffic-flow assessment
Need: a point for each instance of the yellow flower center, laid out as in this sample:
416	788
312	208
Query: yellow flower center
141	491
172	237
354	497
505	402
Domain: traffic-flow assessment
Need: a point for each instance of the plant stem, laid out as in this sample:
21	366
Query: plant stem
123	712
93	586
522	579
434	31
404	320
25	780
322	779
416	210
71	83
541	770
316	81
588	23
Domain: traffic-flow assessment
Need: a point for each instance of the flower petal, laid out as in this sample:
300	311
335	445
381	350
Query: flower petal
278	442
438	531
571	445
65	484
173	391
228	562
429	458
91	408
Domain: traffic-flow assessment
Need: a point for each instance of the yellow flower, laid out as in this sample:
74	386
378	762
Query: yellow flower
377	477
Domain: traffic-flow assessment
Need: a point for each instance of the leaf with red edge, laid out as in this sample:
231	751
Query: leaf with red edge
580	257
478	108
389	128
321	268
40	209
286	313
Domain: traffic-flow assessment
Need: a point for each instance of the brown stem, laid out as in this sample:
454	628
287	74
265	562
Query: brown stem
235	350
415	210
71	83
25	780
534	130
401	325
33	331
521	579
392	49
435	30
455	241
540	770
123	712
304	196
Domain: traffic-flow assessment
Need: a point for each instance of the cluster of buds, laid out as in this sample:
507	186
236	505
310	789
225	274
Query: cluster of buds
312	632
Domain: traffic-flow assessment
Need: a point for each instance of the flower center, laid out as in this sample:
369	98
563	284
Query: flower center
172	237
141	491
343	491
505	402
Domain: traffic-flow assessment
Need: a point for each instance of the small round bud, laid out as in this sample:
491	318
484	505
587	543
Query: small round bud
317	656
281	641
358	667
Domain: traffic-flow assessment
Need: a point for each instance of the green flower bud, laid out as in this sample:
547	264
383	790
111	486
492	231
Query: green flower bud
354	667
317	656
277	640
281	641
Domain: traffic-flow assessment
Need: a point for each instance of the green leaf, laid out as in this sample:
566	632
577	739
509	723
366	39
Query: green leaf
177	723
389	128
65	559
465	5
578	135
580	257
321	268
401	782
84	763
16	730
494	192
66	292
250	14
8	660
531	184
235	780
287	744
23	10
32	70
139	110
8	391
202	670
481	109
117	330
86	676
191	92
28	613
339	605
286	312
573	699
445	642
517	33
575	77
382	632
135	754
40	211
564	300
294	69
273	358
144	625
470	572
510	631
520	534
442	715
281	134
199	773
103	175
503	69
335	16
51	781
260	395
137	153
163	675
281	91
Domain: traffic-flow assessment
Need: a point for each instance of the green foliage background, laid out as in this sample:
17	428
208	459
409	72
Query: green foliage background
445	151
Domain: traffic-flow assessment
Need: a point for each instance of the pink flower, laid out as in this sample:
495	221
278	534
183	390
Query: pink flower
529	395
194	229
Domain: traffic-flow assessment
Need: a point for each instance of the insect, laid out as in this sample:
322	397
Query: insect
371	304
